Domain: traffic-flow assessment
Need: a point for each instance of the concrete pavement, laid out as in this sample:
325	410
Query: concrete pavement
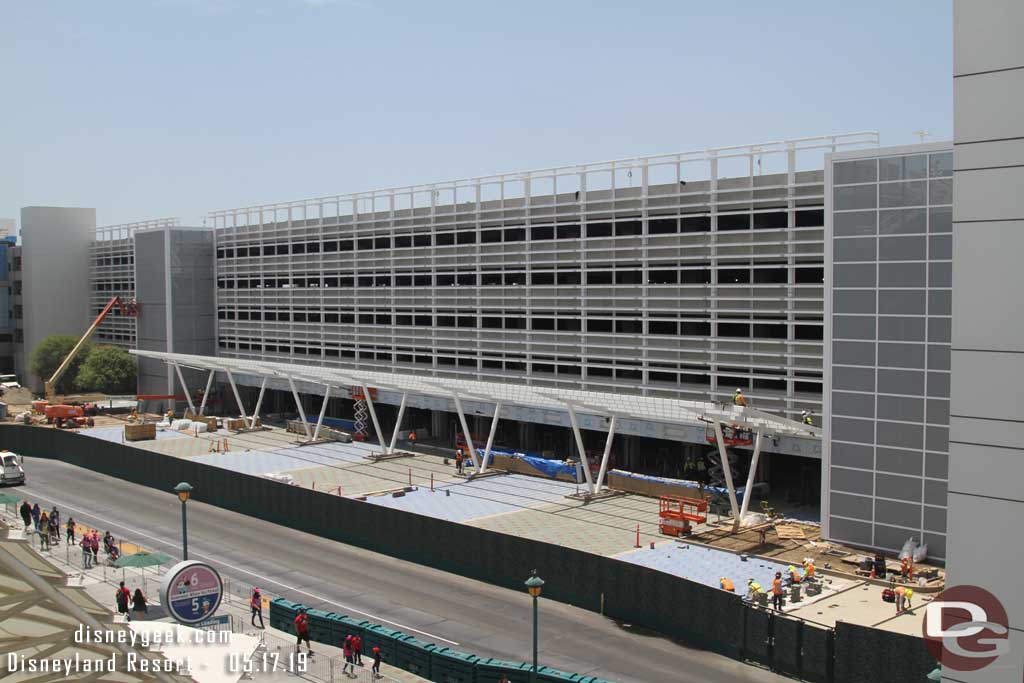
433	605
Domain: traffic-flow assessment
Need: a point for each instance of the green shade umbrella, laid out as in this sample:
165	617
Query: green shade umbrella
142	559
8	498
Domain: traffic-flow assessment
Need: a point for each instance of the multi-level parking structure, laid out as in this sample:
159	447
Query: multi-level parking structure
112	273
683	275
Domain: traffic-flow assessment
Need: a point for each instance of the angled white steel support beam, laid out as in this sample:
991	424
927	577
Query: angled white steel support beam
298	404
184	387
490	437
579	444
727	471
465	432
373	415
607	454
749	490
238	397
259	402
398	422
323	411
206	394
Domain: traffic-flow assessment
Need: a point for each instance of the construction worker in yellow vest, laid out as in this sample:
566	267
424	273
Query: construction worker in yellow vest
738	399
753	589
794	575
807	418
808	569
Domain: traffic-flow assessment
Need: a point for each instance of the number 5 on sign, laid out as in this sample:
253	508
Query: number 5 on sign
195	604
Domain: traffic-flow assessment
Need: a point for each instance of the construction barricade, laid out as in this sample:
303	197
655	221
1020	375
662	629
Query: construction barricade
375	635
342	626
413	655
449	666
283	613
491	670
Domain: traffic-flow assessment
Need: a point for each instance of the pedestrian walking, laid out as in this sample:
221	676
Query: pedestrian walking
55	516
376	662
86	552
139	606
26	514
346	649
44	531
302	631
53	530
94	546
256	603
36	512
123	598
357	650
71	531
460	458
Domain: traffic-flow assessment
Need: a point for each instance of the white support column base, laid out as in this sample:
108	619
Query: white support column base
298	404
465	432
579	444
398	423
206	394
184	388
606	456
490	437
748	491
723	453
323	411
373	415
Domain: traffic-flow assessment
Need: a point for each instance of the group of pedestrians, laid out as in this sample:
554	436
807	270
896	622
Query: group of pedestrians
129	603
351	647
46	524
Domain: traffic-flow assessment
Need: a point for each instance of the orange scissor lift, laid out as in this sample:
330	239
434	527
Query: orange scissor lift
675	514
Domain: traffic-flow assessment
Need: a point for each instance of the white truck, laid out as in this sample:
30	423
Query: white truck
12	470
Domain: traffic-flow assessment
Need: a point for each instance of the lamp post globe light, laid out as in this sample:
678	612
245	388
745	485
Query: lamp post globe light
534	585
184	490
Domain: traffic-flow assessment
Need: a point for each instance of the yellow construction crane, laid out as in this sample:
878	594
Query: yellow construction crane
129	309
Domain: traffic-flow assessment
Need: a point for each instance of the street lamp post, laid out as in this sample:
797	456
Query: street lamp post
533	585
184	490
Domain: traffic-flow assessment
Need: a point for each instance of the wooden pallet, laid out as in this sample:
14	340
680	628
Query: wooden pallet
790	532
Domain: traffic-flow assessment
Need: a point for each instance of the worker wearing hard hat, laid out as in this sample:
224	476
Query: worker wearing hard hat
808	569
806	418
753	589
738	399
726	585
794	575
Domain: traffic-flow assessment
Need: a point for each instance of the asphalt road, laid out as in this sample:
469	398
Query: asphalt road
435	606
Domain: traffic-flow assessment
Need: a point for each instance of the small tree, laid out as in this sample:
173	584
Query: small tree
51	352
108	370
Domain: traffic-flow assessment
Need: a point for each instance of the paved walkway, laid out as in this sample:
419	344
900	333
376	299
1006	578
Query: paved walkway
100	583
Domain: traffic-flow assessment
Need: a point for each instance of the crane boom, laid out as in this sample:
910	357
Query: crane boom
51	384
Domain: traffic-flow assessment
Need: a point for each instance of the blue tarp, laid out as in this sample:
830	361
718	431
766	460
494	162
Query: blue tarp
546	466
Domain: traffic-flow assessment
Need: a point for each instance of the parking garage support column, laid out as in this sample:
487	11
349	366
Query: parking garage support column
238	398
298	404
259	402
727	472
465	431
607	454
323	411
397	422
206	394
184	388
748	492
373	415
490	437
579	444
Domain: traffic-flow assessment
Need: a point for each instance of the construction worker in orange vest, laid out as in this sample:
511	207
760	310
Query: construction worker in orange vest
794	576
808	569
726	585
738	399
777	591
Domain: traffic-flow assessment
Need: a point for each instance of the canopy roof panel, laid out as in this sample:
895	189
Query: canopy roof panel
650	408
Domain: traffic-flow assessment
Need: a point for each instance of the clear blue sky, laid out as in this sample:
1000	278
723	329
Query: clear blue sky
153	108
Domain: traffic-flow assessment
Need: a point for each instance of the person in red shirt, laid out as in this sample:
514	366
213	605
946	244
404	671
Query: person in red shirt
357	650
123	597
346	650
256	605
302	631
